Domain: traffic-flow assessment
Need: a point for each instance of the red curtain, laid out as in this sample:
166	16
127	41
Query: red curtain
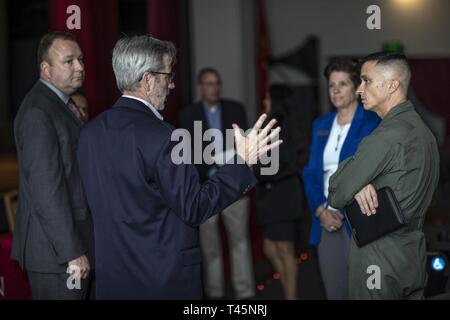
14	283
431	83
163	23
97	36
262	51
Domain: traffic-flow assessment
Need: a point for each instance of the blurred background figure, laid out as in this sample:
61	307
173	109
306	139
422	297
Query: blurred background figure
279	197
216	113
335	137
81	103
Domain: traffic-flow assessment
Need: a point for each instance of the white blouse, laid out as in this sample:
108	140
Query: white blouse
332	151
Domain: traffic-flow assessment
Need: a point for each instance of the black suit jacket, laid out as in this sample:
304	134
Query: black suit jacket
53	224
232	112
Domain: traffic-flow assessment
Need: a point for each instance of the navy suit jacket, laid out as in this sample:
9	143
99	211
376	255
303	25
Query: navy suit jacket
363	123
146	209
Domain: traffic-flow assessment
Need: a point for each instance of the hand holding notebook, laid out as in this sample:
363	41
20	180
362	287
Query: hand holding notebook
370	227
367	199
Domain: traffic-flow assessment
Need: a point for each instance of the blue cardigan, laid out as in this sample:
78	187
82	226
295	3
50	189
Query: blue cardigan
363	123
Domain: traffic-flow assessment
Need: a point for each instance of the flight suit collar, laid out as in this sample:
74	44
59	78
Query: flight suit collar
400	108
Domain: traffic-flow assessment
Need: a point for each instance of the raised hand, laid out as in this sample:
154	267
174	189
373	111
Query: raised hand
256	144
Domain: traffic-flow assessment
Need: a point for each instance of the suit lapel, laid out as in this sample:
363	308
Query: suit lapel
71	115
323	131
354	128
59	103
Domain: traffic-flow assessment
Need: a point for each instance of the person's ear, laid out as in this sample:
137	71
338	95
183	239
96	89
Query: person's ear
393	86
45	68
147	81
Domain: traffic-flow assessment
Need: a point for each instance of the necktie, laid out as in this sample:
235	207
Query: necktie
73	107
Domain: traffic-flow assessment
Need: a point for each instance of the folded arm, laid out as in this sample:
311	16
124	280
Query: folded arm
374	155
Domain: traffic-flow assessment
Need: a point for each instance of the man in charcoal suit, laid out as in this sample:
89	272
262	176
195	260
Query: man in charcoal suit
53	236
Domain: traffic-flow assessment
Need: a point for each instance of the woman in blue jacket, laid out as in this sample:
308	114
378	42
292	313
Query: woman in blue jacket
335	137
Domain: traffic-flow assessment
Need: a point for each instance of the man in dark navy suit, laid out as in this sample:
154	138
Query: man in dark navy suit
146	208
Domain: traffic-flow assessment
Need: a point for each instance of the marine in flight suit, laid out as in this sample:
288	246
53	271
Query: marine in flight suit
401	153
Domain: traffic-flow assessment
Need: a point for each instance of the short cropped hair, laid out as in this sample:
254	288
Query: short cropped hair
206	70
133	56
351	66
395	61
47	41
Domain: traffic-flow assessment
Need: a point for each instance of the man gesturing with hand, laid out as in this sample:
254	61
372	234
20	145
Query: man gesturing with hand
147	209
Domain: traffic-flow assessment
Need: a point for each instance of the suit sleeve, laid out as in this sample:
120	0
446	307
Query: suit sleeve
44	174
193	202
374	155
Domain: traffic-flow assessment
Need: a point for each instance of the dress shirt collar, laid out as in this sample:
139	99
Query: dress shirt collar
152	108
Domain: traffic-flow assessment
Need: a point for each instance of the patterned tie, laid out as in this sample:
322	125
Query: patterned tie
73	107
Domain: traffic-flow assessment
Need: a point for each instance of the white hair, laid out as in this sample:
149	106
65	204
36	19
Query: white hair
133	56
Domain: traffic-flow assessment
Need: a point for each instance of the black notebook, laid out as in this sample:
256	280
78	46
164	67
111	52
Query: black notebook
387	219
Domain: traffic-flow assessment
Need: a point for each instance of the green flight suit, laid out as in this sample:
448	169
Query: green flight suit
401	153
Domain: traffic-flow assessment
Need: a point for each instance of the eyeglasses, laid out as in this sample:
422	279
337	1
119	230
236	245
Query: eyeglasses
170	75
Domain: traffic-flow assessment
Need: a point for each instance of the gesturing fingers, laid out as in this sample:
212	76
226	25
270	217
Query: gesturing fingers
259	122
256	144
270	137
266	148
265	131
237	131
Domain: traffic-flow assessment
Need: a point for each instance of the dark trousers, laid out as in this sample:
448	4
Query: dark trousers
54	286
